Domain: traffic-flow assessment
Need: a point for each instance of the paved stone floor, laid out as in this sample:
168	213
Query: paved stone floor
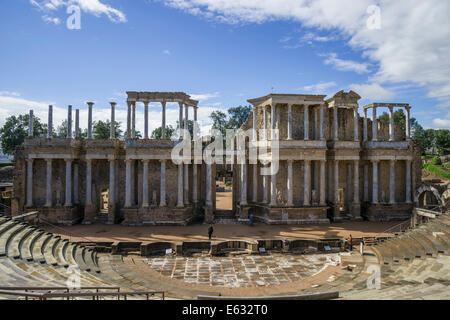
242	271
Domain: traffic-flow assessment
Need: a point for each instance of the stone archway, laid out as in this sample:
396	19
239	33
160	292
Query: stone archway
422	192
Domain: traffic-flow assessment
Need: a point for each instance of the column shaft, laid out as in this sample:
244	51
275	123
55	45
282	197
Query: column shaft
356	183
129	120
316	124
29	183
255	182
145	184
306	122
265	186
146	120
186	184
336	183
265	122
366	182
112	182
365	126
408	124
254	132
194	183
335	124
391	124
289	124
391	181
375	182
290	187
50	122
180	120
307	183
48	200
88	182
322	200
355	124
77	124
128	184
90	104
374	124
208	185
133	120
69	122
112	129
162	191
180	203
273	121
322	136
273	189
68	183
163	127
75	183
408	181
243	184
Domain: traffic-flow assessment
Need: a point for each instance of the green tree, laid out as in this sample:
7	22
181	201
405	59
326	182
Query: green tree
399	118
61	130
101	129
15	130
442	140
238	116
157	133
220	121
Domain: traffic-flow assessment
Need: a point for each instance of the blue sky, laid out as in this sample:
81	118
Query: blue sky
222	53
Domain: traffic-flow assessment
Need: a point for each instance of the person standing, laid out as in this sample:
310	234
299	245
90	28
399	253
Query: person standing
349	241
210	231
251	219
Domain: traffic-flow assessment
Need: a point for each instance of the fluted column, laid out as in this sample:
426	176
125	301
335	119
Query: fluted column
392	181
335	124
391	124
265	186
88	182
336	183
273	119
208	185
273	189
128	119
180	202
408	181
307	184
163	126
306	122
243	184
112	181
162	191
48	194
180	120
186	184
68	183
50	122
316	123
408	123
322	196
133	120
145	183
146	119
290	186
374	124
355	124
29	182
112	129
128	183
69	122
186	118
322	135
75	183
90	105
365	126
194	183
255	182
265	122
289	124
366	182
375	182
77	123
356	183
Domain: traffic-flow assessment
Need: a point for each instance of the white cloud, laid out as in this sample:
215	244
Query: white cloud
9	93
49	19
320	87
204	96
95	7
411	45
166	52
345	65
372	91
441	123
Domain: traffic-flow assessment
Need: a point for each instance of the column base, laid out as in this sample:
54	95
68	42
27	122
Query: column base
356	212
90	211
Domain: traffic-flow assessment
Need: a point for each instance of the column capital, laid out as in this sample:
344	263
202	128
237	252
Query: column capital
48	160
112	160
164	103
146	102
113	104
90	104
68	161
307	162
375	161
290	162
145	161
391	108
163	161
129	161
89	161
29	160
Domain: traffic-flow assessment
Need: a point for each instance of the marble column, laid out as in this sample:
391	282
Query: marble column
186	119
133	120
265	122
254	131
90	105
322	135
335	124
162	195
88	182
194	183
336	183
392	181
129	119
48	198
306	122
75	183
69	122
112	129
356	183
128	183
316	124
243	184
408	123
180	202
375	182
365	126
77	123
374	124
146	119
31	124
50	122
68	183
289	124
208	185
355	124
186	184
330	181
391	124
255	183
29	182
273	121
112	182
307	184
195	122
322	196
265	186
290	186
273	189
163	127
408	181
366	182
145	183
180	120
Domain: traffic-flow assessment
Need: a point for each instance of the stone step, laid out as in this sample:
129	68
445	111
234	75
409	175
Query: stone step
79	258
6	226
26	252
418	247
397	255
70	254
59	253
426	244
384	253
90	259
39	246
14	248
7	236
429	239
49	251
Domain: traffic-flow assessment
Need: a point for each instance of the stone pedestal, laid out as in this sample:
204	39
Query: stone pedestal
209	214
90	212
356	212
113	211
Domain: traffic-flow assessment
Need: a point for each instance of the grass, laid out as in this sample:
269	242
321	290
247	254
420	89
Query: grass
5	164
437	170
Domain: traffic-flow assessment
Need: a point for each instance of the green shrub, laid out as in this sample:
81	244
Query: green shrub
437	171
436	161
5	164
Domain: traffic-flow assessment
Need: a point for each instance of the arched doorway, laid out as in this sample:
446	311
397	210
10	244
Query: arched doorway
427	197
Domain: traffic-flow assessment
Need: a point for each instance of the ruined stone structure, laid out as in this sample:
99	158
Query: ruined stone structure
333	166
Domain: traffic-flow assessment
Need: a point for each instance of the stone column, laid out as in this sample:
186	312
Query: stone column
145	183
408	181
112	129
392	181
195	122
375	181
180	202
29	182
194	183
186	118
50	122
163	127
112	181
48	198
365	126
146	119
307	184
31	124
391	123
316	124
273	120
336	183
290	186
366	182
254	131
306	122
374	124
289	124
186	184
356	183
355	124
273	189
208	184
408	124
255	182
77	123
330	181
322	136
75	183
265	122
133	120
335	124
129	119
88	182
128	183
322	196
69	122
265	186
243	184
68	183
162	186
90	104
180	120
